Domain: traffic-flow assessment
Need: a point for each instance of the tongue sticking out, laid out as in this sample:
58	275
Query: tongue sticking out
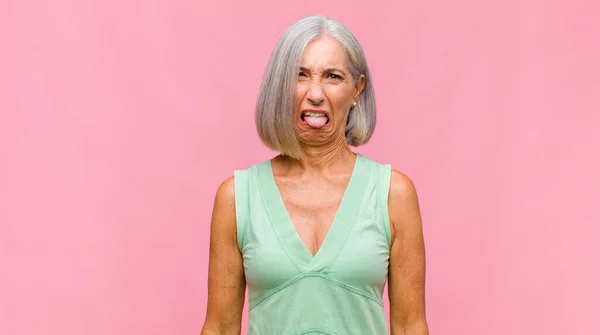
316	121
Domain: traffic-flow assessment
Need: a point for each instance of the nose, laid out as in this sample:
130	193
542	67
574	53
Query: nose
315	93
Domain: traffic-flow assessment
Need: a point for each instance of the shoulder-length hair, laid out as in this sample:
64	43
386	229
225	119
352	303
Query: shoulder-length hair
275	106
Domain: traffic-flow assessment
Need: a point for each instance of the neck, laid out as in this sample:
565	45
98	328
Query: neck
326	157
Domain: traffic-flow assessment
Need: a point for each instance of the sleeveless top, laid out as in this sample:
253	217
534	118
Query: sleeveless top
340	289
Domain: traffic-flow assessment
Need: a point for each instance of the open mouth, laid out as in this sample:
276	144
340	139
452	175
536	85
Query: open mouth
314	119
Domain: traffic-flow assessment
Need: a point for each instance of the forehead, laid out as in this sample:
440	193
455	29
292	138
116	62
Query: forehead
324	52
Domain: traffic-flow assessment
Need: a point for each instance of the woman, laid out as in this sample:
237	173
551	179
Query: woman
316	231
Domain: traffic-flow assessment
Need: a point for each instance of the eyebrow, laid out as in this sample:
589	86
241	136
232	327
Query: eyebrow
331	69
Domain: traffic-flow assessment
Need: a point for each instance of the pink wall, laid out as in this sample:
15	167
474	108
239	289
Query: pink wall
120	118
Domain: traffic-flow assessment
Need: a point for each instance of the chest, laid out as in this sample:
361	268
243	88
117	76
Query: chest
312	206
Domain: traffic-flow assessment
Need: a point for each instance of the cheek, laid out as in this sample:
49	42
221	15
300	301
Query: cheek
339	97
299	94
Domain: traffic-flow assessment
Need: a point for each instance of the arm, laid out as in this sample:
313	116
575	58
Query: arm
226	282
406	288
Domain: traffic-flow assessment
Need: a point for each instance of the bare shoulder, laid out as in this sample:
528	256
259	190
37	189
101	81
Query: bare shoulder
224	206
403	205
402	187
226	190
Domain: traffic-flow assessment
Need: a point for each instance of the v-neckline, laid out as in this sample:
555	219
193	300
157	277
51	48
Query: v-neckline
339	229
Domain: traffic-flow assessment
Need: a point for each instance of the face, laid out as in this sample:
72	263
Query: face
324	93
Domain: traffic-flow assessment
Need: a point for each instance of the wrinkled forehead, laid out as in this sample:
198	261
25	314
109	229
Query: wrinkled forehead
324	53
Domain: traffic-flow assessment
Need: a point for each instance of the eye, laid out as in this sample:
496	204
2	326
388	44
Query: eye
333	76
301	74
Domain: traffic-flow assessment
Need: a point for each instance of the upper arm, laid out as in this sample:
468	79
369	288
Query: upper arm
226	282
406	288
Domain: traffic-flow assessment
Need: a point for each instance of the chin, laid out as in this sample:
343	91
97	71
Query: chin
312	136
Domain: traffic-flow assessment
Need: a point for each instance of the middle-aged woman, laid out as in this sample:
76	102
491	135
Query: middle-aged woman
316	231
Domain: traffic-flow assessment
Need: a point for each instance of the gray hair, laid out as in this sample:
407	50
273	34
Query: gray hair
275	106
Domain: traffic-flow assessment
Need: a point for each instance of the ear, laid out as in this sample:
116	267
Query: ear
360	86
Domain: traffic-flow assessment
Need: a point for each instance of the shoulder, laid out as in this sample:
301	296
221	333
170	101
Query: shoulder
225	196
223	222
402	187
227	188
403	205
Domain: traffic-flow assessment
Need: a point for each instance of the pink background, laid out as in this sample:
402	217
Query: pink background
119	119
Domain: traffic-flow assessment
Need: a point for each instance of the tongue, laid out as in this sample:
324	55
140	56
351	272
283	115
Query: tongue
316	121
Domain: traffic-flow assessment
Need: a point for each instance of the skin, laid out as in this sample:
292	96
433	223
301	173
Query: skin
312	188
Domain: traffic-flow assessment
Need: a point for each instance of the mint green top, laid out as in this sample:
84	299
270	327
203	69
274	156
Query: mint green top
340	289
